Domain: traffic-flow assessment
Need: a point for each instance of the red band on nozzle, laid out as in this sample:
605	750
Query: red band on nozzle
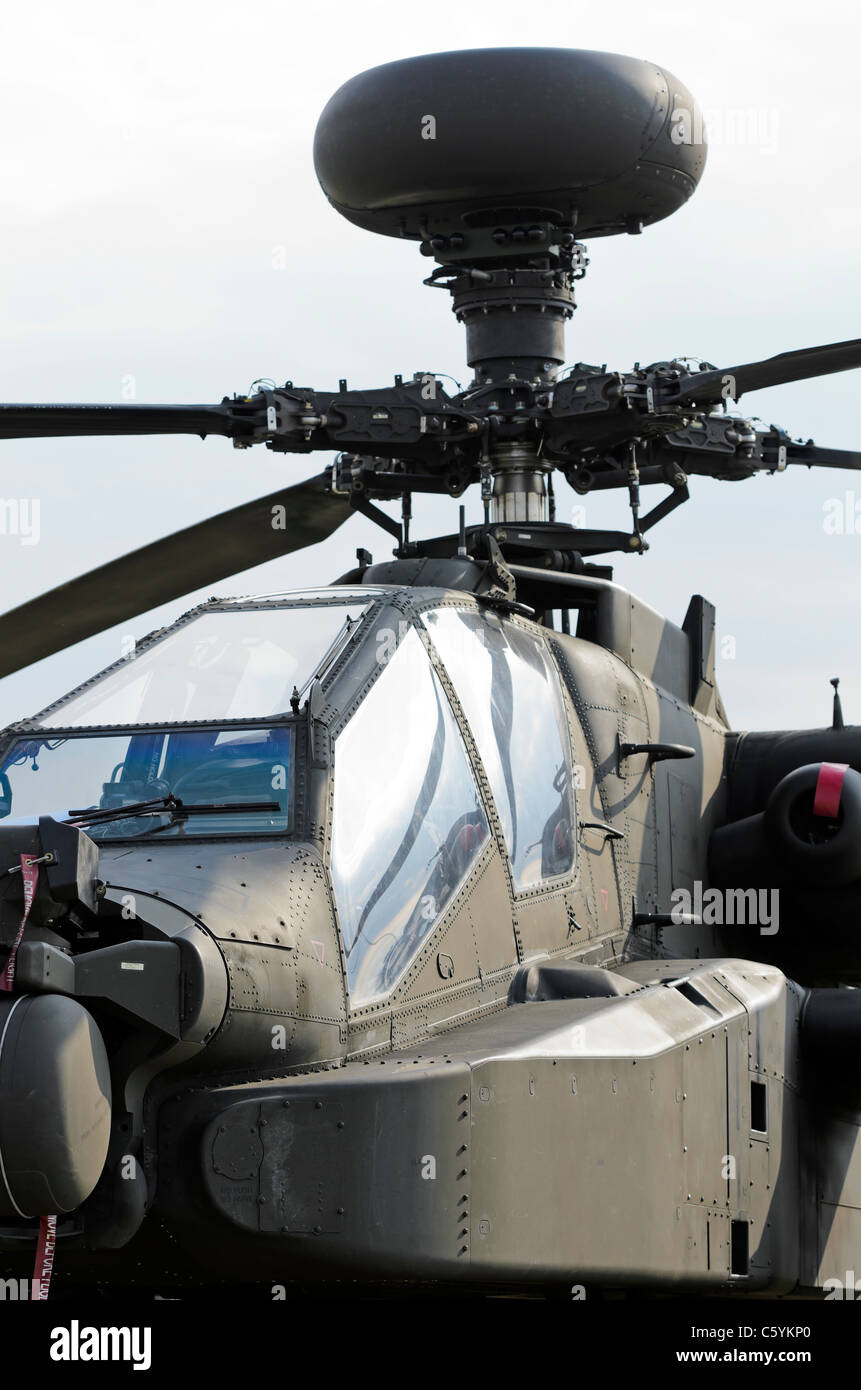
829	785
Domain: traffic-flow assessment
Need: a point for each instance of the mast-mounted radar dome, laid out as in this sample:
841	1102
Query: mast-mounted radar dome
531	139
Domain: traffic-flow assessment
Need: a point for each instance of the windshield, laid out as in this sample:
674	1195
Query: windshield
240	664
52	777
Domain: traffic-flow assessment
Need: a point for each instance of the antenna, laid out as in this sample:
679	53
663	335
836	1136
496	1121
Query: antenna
837	716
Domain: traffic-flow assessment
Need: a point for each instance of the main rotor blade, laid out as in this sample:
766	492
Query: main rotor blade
51	421
817	456
203	554
732	382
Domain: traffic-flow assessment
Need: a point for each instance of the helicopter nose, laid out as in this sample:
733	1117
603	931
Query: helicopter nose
55	1105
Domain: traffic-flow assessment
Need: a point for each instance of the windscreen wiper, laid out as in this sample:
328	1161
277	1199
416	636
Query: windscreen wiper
168	805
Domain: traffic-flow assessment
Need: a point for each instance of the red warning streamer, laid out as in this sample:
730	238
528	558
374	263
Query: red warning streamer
44	1257
30	875
829	785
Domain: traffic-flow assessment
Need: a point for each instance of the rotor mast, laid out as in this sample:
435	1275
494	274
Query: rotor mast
515	317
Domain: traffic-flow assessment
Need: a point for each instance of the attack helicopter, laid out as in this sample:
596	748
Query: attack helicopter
421	929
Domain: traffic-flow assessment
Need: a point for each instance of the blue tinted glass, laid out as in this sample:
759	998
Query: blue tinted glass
106	772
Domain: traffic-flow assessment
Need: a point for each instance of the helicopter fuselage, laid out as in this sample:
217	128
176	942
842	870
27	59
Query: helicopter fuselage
451	965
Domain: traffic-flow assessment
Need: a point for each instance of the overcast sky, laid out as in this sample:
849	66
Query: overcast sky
156	157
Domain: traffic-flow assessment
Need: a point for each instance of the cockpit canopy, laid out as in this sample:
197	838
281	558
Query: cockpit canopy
440	730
